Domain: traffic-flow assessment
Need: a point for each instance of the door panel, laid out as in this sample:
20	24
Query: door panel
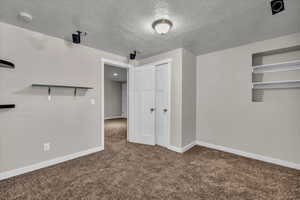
162	104
143	100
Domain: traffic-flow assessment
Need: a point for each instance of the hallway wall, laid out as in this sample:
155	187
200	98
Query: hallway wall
124	100
113	98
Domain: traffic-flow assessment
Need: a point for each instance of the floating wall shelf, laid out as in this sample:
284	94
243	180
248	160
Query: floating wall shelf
276	85
277	67
7	106
6	64
61	86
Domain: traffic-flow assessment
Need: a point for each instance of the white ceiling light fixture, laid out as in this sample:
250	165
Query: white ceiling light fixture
162	26
115	74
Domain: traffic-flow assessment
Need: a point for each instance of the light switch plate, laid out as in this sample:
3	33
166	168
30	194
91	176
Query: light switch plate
47	146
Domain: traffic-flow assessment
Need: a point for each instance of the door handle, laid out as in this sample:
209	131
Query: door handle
152	109
165	110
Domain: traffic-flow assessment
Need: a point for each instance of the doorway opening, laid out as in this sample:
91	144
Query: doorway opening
114	112
147	117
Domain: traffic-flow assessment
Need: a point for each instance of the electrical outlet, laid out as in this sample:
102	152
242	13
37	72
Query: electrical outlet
47	146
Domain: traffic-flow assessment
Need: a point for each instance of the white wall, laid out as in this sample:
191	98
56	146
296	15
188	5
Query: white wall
112	98
124	100
70	124
189	75
176	91
112	95
226	115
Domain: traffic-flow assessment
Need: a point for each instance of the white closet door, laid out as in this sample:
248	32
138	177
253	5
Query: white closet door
162	104
142	105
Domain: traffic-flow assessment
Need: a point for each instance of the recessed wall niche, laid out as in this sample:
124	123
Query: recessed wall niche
276	74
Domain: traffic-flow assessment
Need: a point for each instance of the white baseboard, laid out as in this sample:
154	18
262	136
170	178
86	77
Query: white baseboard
183	149
251	155
114	117
30	168
189	146
177	149
23	170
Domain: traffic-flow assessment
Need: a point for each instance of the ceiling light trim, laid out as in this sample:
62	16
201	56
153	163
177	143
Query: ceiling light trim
155	26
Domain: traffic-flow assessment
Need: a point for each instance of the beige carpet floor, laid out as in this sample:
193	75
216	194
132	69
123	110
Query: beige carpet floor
126	171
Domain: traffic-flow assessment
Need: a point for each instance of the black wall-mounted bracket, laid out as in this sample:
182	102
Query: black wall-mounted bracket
75	92
49	92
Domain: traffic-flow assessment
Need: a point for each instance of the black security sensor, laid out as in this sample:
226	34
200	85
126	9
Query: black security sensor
277	6
132	55
77	37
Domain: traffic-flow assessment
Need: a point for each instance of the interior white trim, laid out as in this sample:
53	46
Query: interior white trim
116	63
161	62
30	168
130	106
182	149
250	155
189	146
176	149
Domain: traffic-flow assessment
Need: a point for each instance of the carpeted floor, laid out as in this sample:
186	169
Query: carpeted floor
126	171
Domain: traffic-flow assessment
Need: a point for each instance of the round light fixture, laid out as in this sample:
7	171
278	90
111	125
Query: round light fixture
115	74
162	26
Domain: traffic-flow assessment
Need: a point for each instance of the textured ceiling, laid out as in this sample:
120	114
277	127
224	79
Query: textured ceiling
119	26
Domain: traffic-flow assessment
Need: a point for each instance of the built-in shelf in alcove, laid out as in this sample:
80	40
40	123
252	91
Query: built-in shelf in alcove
277	67
7	106
6	64
276	85
49	86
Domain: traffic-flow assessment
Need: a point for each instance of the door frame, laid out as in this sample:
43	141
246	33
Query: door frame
120	65
155	64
